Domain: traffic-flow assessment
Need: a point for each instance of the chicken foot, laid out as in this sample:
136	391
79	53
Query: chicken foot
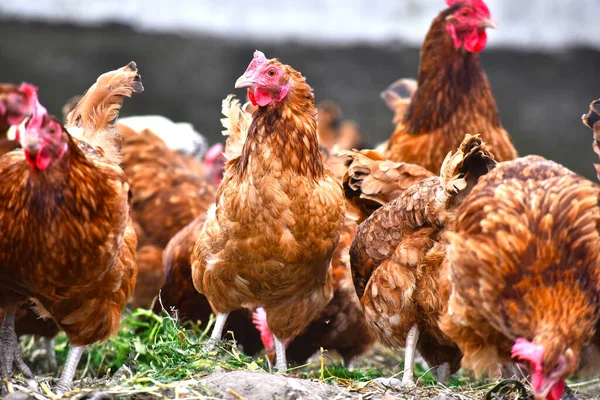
409	362
65	383
281	362
10	354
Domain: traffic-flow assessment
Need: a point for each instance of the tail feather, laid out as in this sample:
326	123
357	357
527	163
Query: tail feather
371	180
236	123
592	120
92	120
460	171
398	95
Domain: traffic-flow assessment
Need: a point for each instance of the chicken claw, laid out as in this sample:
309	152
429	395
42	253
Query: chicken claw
10	354
65	384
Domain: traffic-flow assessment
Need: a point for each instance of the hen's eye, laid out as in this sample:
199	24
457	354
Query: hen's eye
271	72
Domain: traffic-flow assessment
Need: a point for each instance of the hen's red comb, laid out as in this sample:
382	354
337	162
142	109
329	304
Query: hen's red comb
257	62
478	4
526	351
28	90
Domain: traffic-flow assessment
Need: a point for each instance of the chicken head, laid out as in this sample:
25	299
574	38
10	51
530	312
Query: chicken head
43	142
18	106
267	80
547	371
466	26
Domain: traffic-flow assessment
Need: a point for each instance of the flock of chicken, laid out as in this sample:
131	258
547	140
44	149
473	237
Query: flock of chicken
438	240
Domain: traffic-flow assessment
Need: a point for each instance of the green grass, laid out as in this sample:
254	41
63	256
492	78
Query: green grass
154	355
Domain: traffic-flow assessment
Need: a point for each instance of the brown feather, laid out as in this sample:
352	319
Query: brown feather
279	211
523	262
397	254
98	109
371	181
453	97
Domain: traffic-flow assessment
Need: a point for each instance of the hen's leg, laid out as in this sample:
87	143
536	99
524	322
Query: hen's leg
218	329
65	383
442	373
50	354
349	363
409	363
409	356
281	363
10	354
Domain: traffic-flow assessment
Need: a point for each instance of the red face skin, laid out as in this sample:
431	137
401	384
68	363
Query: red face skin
43	145
551	386
467	25
267	82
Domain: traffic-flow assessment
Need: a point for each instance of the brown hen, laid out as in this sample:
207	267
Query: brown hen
396	257
69	244
269	239
524	272
453	96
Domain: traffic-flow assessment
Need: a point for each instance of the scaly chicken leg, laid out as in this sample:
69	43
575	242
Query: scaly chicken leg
409	362
218	329
10	354
409	356
50	355
281	362
65	383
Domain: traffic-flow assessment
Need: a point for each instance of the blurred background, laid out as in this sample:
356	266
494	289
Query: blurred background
543	63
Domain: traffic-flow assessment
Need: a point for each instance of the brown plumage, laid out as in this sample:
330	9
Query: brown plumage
66	218
397	253
341	326
524	272
169	191
167	195
150	276
179	297
279	211
453	96
371	181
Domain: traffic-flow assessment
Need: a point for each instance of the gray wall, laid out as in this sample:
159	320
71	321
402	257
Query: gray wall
541	96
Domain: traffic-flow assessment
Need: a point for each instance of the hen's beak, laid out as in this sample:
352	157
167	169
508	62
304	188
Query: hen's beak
244	82
488	23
